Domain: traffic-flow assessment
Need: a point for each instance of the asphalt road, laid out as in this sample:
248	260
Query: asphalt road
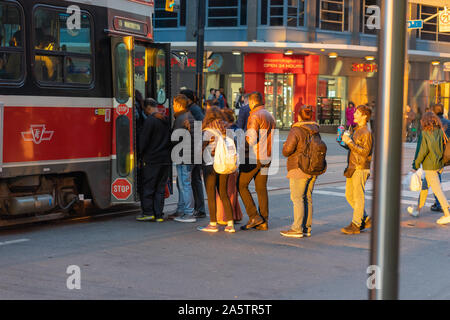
120	258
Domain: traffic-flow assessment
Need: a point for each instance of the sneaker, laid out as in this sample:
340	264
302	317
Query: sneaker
436	208
413	212
199	214
306	234
443	220
174	215
144	217
185	218
230	229
292	234
209	228
160	220
367	224
351	229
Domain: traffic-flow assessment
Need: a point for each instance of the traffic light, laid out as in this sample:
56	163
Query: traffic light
172	5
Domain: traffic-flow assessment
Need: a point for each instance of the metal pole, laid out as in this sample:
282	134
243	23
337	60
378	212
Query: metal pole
200	49
388	148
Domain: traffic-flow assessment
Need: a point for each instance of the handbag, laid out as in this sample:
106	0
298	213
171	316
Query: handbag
446	155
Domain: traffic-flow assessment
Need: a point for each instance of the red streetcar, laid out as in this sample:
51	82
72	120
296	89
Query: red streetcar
69	71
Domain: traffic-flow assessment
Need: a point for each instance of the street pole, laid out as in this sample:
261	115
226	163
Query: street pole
200	49
388	150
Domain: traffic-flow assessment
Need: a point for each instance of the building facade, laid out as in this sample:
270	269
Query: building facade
317	52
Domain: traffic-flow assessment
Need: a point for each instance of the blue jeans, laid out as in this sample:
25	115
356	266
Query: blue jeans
184	185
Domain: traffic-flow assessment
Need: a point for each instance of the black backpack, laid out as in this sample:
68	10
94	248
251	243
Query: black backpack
311	160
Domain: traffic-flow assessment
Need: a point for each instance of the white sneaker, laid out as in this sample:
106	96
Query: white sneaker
443	220
411	211
185	218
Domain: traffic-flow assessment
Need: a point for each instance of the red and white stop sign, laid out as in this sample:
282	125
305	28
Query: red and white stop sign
121	189
122	109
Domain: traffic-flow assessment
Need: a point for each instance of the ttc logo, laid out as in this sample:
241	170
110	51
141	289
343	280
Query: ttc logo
37	134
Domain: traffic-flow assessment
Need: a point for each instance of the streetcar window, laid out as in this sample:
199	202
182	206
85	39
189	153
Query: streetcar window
122	55
161	76
11	43
63	51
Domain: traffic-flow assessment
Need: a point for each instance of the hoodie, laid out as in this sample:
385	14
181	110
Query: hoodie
154	142
296	142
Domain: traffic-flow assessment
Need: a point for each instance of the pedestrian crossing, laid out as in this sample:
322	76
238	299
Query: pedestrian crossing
407	197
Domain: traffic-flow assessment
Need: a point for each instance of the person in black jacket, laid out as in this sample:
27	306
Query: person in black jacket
154	147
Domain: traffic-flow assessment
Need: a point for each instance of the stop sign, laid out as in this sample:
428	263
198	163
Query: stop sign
121	189
122	109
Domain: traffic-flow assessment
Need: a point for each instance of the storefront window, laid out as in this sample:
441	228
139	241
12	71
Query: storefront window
440	93
331	100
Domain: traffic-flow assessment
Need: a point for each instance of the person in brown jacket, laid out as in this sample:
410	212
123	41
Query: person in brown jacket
300	183
260	129
360	148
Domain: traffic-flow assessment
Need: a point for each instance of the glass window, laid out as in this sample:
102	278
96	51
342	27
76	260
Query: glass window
62	55
224	13
430	29
333	15
11	43
364	16
289	13
161	76
122	55
167	19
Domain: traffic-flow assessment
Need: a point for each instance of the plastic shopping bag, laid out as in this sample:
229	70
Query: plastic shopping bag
415	183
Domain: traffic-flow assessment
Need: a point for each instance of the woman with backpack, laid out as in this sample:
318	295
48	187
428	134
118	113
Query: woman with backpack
429	154
301	183
214	129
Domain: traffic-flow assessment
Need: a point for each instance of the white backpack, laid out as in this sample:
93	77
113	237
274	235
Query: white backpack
225	157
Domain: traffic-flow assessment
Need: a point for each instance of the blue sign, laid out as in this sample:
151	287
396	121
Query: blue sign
415	24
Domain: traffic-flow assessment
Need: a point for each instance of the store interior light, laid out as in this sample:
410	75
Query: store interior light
236	53
370	58
435	63
289	52
323	50
333	55
183	53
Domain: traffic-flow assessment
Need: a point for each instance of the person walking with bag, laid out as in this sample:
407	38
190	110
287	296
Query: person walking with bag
215	174
430	155
360	148
299	144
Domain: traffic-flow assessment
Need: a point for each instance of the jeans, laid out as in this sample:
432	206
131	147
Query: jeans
424	192
433	181
247	173
301	196
197	188
184	184
154	180
354	193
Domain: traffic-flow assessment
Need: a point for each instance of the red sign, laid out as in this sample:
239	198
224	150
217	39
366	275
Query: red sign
364	67
274	63
121	189
122	109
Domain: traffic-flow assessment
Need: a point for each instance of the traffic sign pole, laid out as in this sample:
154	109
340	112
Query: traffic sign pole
385	235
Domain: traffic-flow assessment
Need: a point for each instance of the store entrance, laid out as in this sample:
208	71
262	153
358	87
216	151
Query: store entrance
440	93
279	93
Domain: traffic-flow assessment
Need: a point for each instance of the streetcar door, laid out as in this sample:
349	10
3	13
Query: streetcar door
152	77
123	162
